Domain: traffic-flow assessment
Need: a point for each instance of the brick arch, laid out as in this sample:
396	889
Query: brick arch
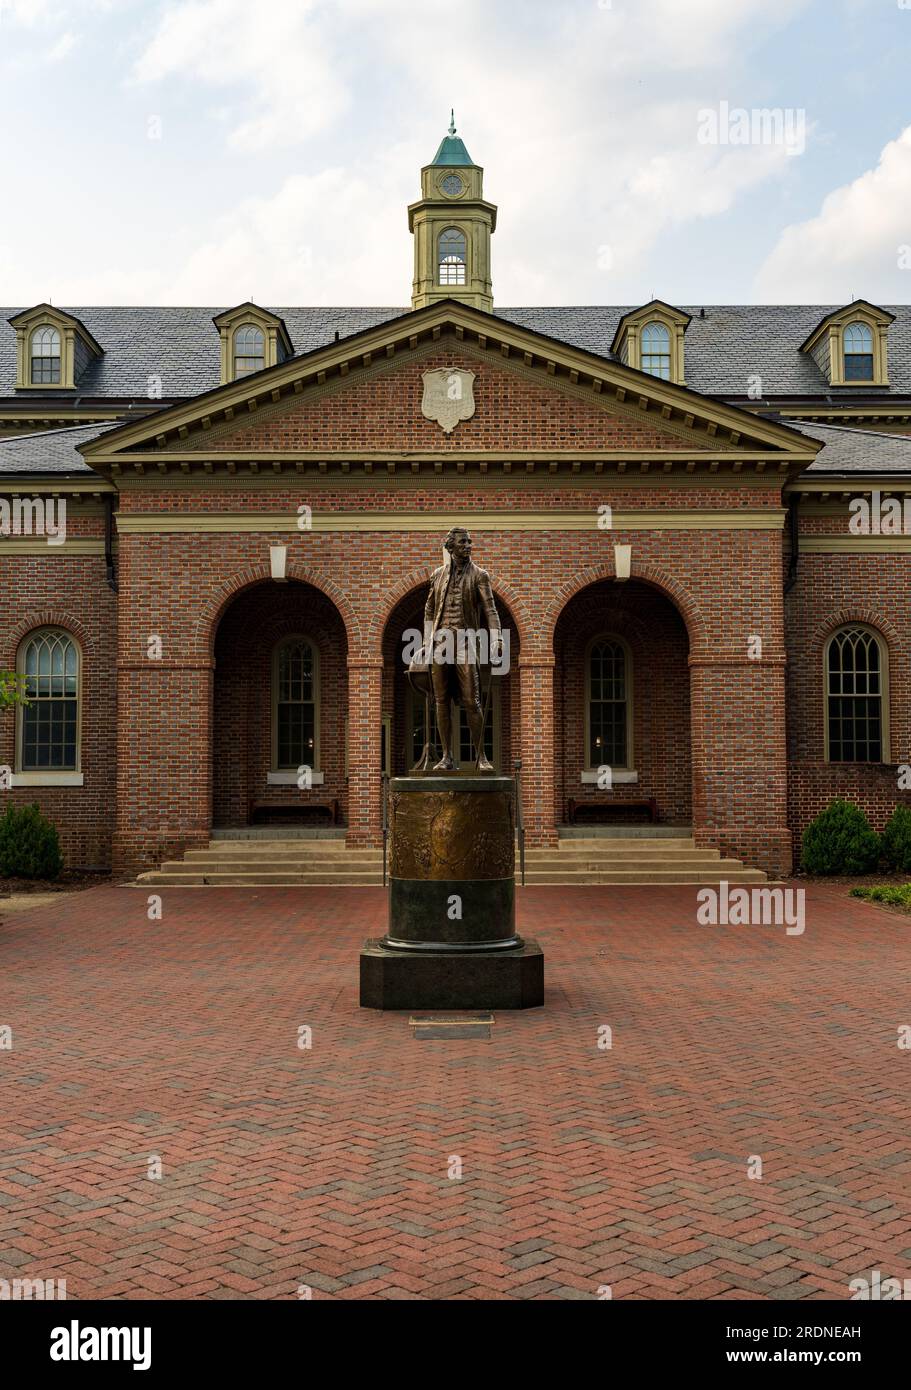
215	607
681	598
844	617
45	617
420	578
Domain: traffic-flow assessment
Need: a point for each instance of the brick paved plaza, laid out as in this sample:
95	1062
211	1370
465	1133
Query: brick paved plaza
328	1167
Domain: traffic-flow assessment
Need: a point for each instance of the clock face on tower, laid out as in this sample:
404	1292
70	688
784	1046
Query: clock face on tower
452	185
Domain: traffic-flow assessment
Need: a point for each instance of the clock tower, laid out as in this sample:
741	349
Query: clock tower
452	225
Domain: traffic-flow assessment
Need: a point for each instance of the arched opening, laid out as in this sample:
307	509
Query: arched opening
622	706
280	701
403	712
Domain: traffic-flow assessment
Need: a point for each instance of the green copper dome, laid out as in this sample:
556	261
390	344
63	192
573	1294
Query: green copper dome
452	151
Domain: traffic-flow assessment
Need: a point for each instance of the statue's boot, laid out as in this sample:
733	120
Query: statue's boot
444	724
476	720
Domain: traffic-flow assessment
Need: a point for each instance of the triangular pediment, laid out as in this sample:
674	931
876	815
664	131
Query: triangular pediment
378	370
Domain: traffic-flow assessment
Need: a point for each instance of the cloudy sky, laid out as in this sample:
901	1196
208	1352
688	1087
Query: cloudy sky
210	151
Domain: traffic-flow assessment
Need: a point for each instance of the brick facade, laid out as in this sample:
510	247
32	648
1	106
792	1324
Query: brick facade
726	735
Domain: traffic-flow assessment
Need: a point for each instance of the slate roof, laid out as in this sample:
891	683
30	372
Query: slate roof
723	350
847	450
856	450
50	451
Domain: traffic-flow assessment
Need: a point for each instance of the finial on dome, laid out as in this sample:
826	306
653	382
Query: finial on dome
452	124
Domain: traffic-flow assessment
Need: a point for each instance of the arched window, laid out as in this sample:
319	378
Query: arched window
45	356
858	352
655	350
856	678
452	257
295	700
249	350
49	723
608	723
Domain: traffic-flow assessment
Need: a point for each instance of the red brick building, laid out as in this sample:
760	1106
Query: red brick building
667	502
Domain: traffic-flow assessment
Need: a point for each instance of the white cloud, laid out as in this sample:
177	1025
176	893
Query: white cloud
64	45
279	58
852	246
585	118
587	143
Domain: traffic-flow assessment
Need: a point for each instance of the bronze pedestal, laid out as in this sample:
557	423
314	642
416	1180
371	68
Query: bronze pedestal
451	941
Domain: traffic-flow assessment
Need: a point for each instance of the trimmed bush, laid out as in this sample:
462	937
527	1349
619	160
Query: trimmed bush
896	840
29	847
840	841
884	893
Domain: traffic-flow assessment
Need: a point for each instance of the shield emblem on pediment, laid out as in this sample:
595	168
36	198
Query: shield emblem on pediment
448	396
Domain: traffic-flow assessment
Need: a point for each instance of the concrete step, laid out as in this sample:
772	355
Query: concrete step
258	878
626	830
255	866
287	854
610	856
624	842
280	832
643	878
320	847
293	861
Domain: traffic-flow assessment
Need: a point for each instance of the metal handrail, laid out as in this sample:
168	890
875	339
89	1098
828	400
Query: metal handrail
520	823
384	797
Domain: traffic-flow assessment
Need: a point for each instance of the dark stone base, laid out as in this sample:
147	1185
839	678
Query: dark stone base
451	980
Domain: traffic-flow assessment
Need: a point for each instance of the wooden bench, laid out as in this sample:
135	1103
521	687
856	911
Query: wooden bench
292	808
609	803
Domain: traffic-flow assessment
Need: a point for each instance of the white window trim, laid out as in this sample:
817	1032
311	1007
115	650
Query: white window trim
46	779
620	775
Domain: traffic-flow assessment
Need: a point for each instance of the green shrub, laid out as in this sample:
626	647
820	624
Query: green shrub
840	841
896	840
29	847
897	896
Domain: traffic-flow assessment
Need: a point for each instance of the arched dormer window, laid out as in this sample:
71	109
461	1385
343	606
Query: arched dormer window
49	723
453	257
249	350
44	355
295	705
858	339
655	350
856	712
608	704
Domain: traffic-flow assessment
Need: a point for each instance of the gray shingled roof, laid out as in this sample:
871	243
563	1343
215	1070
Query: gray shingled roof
727	347
856	450
50	451
847	450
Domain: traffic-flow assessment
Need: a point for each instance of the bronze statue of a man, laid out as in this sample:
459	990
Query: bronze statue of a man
459	606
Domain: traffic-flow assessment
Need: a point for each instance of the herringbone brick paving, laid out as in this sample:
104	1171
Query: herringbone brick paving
328	1167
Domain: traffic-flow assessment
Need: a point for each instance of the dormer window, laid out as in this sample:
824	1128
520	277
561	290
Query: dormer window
655	351
249	350
53	349
252	338
651	340
858	352
45	356
452	257
850	345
